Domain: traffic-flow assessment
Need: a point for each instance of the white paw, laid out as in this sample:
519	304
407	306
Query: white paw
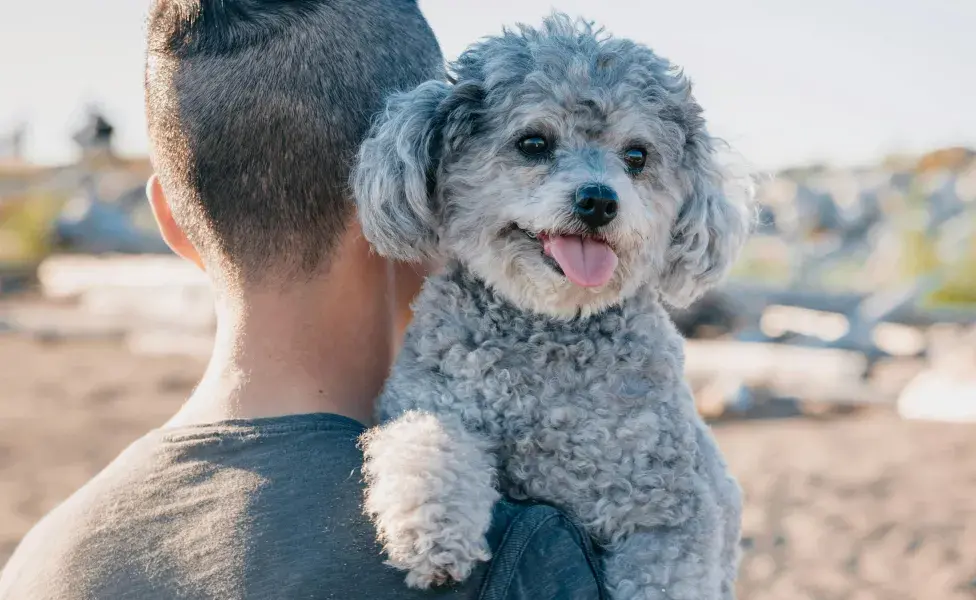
430	492
449	559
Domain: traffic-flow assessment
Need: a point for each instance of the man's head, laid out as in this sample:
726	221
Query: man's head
255	109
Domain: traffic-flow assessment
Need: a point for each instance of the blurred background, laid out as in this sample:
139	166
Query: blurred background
838	365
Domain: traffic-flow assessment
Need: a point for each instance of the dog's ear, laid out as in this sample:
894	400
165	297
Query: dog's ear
711	227
395	177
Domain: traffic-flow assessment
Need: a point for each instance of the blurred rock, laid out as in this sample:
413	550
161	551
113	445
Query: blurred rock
937	396
946	391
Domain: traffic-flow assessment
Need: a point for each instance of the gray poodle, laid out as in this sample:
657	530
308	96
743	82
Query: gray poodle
569	182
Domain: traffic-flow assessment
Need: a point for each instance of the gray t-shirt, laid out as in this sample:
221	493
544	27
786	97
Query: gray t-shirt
264	509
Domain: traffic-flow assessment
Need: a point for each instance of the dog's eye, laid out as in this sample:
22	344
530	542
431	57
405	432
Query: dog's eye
533	145
635	159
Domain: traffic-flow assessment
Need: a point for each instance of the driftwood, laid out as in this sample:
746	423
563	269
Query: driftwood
156	290
158	304
815	374
162	342
72	275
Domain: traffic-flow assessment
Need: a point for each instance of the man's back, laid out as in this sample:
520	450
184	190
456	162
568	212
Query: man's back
268	508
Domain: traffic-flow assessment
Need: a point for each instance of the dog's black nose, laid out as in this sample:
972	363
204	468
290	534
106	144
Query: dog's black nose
595	204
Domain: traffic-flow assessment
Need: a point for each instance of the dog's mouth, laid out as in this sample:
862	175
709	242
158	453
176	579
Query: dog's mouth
586	259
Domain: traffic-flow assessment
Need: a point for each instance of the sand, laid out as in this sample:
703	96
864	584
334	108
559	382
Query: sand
862	506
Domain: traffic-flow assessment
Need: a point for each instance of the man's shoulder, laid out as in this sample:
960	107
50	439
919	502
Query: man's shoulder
66	539
271	508
268	508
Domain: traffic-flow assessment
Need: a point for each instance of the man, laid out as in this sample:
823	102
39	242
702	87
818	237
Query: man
253	489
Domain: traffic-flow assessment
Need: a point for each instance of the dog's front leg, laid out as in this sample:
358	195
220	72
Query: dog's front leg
713	468
679	561
430	492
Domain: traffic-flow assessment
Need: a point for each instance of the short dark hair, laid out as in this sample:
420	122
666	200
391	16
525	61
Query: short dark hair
256	108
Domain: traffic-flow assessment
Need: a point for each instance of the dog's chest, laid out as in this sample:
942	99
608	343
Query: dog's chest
608	437
590	414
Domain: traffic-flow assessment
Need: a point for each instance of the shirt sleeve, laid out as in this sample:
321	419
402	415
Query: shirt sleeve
543	555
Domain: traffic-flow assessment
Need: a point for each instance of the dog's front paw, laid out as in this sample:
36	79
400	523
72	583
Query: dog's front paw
430	492
450	557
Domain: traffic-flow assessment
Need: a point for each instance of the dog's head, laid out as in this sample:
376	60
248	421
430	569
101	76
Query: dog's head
565	168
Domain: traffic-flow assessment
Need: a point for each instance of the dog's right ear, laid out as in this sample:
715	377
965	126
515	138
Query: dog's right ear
395	177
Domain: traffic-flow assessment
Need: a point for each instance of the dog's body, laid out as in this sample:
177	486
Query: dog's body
541	362
589	414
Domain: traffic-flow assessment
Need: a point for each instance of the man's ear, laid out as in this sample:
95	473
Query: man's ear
711	228
172	233
394	180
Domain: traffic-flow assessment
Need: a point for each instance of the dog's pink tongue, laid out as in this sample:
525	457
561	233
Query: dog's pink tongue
585	261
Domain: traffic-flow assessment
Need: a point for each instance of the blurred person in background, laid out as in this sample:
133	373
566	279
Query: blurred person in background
253	489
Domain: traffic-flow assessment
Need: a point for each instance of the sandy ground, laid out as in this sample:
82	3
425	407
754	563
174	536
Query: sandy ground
859	507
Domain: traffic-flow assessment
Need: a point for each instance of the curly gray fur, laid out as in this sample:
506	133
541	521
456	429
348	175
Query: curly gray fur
568	395
448	514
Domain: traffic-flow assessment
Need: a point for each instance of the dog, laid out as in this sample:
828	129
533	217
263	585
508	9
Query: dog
567	179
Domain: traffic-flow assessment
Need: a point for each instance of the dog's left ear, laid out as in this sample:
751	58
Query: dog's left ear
711	227
394	179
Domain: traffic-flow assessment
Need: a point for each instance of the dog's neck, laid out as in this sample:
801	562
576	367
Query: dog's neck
475	300
462	329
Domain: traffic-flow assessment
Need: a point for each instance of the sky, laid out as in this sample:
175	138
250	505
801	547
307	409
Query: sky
785	82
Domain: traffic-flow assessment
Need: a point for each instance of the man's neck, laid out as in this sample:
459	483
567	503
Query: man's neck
323	346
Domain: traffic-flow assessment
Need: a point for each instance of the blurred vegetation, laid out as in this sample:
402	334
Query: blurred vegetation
25	226
960	285
871	228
